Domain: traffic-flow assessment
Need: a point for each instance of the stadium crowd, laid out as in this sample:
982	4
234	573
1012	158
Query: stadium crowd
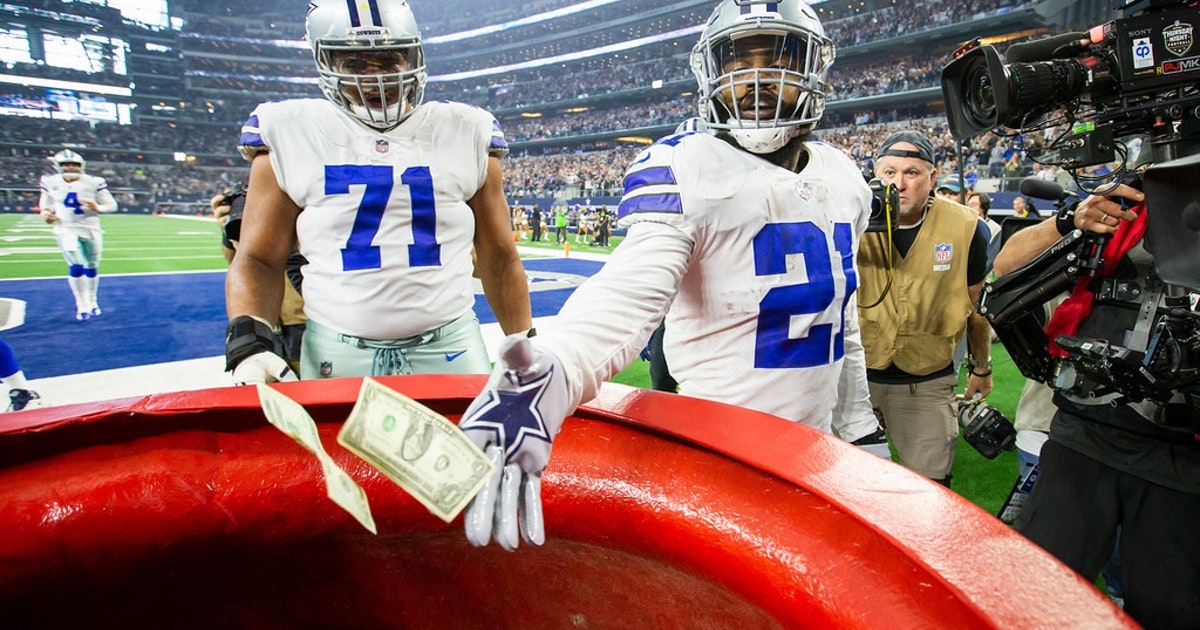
527	174
140	160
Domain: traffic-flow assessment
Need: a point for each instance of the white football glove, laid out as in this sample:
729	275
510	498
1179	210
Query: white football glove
263	368
513	420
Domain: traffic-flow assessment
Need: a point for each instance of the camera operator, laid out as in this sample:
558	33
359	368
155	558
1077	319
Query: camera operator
1113	467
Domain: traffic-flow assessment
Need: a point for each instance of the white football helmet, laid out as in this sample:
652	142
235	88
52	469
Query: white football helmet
67	156
762	68
369	58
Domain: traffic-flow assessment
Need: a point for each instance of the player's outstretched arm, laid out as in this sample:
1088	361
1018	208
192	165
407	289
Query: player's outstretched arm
514	421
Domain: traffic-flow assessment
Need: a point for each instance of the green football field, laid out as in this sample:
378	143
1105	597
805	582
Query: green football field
144	243
132	244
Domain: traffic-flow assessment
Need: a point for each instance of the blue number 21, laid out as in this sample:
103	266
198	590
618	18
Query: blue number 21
774	348
360	252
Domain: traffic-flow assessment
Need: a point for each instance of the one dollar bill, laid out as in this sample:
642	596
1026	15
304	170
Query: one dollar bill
290	417
423	452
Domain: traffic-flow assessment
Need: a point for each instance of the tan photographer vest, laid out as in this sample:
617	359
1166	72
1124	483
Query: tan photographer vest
918	324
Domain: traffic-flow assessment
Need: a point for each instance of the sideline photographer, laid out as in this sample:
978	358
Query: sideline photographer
1107	466
1122	463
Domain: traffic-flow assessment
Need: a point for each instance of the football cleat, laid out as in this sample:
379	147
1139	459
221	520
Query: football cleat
19	399
96	311
83	316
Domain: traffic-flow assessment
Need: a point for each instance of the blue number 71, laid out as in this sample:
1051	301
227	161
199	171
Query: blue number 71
360	251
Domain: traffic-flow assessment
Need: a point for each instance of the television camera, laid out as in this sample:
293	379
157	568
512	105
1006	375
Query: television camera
1136	76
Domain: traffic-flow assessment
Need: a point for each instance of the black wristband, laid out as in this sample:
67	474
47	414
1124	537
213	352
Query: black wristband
1064	221
246	336
984	375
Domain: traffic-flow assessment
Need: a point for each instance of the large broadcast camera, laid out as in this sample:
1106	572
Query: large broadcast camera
1123	78
1136	76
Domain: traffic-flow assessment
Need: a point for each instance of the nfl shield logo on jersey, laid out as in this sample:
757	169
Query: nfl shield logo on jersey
381	146
804	191
326	368
943	252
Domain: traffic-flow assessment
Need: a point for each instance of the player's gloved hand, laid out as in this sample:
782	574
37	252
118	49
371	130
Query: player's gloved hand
514	420
876	444
250	353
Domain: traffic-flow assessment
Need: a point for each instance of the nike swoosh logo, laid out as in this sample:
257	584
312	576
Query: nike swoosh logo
451	357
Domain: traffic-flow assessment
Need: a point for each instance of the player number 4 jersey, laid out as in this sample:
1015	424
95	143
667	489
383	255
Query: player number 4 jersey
67	200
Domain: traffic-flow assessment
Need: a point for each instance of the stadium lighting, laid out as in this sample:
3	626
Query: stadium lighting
582	54
66	85
533	19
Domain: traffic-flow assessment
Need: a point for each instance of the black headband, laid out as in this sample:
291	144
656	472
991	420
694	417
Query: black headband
904	153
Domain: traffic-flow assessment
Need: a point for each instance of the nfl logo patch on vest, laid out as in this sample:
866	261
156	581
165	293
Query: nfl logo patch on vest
943	252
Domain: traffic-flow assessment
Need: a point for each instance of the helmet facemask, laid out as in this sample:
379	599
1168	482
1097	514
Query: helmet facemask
763	82
65	157
378	81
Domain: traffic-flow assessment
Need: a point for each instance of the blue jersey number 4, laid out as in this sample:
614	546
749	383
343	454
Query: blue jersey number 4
774	348
72	201
360	251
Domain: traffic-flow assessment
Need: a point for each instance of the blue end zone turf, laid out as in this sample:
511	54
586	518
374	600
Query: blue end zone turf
169	317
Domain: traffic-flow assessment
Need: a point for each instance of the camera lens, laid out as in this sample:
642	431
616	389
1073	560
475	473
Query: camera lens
980	97
1047	82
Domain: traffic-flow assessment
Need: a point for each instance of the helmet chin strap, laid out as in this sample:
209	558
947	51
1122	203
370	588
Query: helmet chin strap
762	141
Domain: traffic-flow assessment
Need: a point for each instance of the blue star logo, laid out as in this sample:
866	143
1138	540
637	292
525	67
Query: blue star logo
513	415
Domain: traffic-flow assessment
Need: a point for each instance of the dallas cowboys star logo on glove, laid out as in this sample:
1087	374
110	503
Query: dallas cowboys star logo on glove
514	421
513	416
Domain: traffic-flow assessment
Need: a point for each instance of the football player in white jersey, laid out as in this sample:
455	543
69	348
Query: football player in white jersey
72	200
385	196
744	237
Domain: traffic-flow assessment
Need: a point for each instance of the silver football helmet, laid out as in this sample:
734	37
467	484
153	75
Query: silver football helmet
67	156
369	58
762	68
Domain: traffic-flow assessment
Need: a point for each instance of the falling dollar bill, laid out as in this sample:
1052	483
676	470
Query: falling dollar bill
421	451
288	416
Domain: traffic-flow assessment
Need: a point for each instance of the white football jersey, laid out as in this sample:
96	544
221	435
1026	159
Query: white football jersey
66	200
384	220
764	275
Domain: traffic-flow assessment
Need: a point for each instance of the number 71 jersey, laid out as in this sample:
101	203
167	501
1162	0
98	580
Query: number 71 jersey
384	220
760	318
